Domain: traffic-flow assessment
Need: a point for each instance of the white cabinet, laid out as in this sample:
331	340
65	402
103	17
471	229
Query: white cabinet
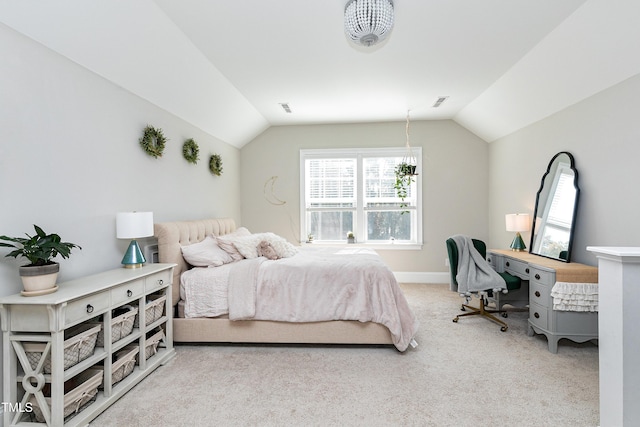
70	354
542	273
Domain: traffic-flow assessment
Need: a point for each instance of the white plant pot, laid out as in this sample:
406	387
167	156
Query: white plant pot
36	279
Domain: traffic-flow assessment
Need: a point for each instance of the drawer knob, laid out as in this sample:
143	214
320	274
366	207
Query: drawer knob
160	282
89	308
536	315
537	293
129	293
537	276
508	264
526	270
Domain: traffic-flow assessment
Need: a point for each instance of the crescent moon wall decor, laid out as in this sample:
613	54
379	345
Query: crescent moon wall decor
269	192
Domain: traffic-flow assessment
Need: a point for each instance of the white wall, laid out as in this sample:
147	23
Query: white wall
603	134
70	159
454	179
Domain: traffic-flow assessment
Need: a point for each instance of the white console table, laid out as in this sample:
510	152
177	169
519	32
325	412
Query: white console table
542	273
90	300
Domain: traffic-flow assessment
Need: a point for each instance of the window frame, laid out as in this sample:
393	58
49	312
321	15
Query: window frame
360	211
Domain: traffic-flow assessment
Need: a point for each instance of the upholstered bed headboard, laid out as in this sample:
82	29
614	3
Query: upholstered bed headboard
173	235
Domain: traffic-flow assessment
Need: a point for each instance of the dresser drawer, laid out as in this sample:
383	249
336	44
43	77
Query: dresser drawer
539	294
158	280
491	259
86	308
517	268
544	277
538	315
126	292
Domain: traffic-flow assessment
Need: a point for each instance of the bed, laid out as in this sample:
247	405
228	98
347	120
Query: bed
244	328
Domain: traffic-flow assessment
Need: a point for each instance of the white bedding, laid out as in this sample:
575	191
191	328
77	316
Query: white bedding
204	290
314	285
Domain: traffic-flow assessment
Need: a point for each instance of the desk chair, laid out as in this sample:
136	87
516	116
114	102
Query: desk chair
512	282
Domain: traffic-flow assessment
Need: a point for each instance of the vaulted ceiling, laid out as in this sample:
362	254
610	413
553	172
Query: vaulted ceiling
226	66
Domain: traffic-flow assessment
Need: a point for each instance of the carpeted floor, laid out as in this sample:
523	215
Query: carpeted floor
464	374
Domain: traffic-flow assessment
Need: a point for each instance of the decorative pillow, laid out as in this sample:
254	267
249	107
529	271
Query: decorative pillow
248	245
266	250
206	253
283	248
226	242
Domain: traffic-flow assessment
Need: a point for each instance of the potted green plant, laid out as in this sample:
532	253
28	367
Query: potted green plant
39	276
405	173
351	238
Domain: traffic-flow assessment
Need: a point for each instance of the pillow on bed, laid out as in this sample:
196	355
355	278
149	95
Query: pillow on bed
206	253
248	245
226	242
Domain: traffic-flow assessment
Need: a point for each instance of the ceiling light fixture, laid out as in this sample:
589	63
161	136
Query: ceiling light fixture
367	22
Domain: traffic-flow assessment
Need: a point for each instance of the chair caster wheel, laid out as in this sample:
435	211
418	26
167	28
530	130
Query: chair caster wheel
505	315
455	320
504	329
462	308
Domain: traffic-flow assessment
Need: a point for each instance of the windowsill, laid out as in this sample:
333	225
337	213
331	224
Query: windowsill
381	246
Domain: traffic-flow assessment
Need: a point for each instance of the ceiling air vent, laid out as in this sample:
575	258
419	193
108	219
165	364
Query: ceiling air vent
439	101
285	107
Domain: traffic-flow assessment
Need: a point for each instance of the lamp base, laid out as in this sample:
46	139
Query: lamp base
139	265
133	258
518	244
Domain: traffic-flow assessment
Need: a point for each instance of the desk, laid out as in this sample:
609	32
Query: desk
542	273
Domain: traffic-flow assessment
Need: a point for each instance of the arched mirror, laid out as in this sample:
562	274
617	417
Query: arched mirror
556	206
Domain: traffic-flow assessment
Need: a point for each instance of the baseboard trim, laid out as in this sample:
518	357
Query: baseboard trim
421	277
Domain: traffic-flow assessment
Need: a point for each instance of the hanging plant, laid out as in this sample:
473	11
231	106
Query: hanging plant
190	151
405	172
153	141
409	162
404	177
215	164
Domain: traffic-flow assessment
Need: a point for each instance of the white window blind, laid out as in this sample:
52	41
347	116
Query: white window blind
331	183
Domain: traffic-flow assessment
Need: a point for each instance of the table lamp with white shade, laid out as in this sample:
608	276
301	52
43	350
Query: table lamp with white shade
517	223
134	225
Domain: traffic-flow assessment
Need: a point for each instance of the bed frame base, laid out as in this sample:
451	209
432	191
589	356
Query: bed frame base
264	331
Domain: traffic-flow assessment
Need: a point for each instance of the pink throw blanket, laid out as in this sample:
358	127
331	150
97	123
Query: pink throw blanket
321	285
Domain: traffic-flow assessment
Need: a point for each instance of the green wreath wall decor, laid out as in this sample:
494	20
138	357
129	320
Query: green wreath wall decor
153	141
190	151
215	164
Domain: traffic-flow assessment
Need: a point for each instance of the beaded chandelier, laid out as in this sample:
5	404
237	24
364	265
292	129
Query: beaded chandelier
367	22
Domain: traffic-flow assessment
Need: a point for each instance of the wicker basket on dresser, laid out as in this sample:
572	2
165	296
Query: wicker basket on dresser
72	394
542	273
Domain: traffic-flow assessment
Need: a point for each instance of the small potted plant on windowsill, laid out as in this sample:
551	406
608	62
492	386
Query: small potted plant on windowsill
351	238
40	275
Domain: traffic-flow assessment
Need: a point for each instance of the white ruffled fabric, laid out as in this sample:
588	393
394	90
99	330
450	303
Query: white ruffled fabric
575	296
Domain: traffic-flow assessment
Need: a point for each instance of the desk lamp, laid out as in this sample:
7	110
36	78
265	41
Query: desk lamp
517	223
133	225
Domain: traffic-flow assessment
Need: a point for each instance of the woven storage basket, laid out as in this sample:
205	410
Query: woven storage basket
151	346
121	325
80	343
86	387
153	309
124	364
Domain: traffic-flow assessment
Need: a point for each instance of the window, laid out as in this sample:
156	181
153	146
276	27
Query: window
346	190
